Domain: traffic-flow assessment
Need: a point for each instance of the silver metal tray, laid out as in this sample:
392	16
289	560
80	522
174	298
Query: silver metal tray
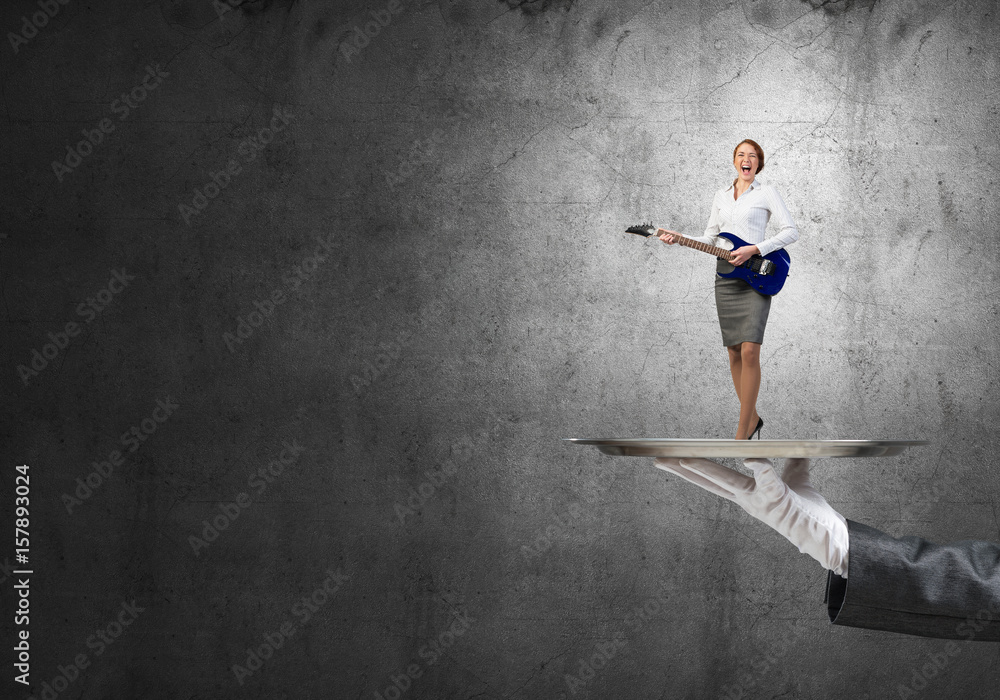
673	447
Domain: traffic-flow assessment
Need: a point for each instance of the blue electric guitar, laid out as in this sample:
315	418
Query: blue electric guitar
766	274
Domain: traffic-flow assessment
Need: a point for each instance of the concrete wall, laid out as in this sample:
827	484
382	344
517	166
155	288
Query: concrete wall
396	294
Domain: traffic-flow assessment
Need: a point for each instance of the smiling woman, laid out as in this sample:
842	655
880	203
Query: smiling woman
744	209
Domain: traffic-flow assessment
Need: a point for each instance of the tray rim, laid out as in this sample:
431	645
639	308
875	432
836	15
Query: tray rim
717	447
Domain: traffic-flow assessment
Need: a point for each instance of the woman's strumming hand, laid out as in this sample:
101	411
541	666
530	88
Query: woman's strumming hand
743	254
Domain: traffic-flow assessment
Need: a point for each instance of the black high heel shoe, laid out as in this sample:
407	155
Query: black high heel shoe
760	424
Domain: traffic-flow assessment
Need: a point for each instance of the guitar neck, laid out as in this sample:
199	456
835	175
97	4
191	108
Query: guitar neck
705	248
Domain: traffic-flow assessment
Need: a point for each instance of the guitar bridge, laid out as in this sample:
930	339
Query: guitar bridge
762	266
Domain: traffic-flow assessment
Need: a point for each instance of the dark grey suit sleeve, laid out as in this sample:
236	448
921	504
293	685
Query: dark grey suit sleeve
912	586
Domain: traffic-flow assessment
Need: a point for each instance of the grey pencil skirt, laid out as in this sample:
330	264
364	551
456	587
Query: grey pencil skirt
742	310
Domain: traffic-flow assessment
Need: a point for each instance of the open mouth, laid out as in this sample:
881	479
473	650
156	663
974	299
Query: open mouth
746	168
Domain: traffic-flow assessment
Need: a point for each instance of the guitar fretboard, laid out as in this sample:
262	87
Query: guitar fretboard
705	248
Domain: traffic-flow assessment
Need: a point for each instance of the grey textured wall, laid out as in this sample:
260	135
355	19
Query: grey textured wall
369	317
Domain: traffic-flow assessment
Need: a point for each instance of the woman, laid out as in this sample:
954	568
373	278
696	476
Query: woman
743	209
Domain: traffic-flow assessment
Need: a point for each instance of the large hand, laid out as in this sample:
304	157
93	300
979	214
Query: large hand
792	507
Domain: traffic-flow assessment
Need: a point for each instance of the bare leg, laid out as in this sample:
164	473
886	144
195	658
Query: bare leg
736	367
749	387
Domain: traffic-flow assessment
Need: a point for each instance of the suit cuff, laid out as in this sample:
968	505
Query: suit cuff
912	586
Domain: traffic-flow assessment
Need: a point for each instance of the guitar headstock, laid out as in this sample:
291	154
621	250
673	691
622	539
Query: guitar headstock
644	230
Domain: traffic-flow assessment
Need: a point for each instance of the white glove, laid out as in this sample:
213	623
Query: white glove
792	507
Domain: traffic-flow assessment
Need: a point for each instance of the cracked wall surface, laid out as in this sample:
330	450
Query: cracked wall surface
333	279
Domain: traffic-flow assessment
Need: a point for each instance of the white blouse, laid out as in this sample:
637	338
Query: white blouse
747	218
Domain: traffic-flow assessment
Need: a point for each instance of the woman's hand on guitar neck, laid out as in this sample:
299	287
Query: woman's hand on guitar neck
667	236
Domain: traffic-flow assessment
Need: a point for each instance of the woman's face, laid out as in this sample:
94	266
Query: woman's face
746	162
